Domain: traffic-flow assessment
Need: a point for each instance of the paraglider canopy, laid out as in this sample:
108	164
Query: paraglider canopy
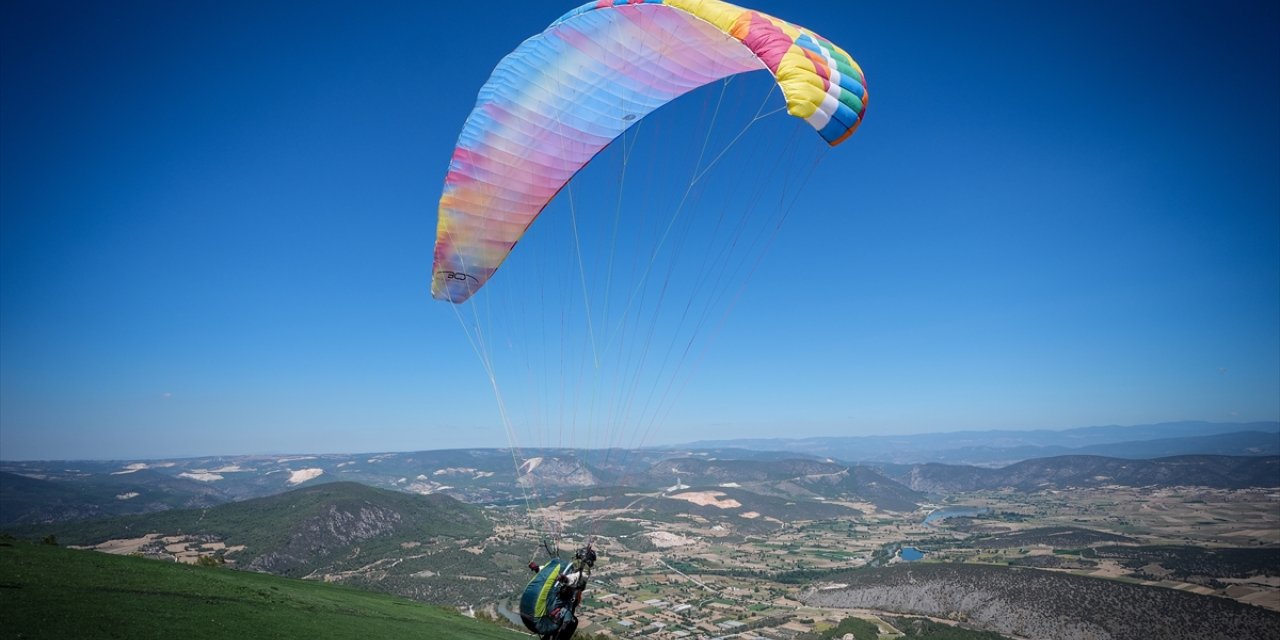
566	93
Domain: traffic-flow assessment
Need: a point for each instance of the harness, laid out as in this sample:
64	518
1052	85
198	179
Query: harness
547	605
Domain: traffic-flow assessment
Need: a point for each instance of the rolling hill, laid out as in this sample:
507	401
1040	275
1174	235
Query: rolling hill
342	511
793	478
344	532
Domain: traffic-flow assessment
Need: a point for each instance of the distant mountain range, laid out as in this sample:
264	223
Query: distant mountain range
56	491
812	471
1000	447
29	499
1063	472
52	491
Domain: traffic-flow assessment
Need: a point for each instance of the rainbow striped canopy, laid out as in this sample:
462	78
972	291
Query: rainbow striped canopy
566	93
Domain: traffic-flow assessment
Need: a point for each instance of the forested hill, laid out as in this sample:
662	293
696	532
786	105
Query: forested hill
24	499
794	477
349	505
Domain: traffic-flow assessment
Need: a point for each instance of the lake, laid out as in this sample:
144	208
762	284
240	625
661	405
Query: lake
910	554
511	616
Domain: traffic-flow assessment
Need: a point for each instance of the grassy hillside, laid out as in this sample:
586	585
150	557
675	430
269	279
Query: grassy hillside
56	593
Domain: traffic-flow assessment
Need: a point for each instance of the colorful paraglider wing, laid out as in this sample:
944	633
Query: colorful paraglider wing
565	94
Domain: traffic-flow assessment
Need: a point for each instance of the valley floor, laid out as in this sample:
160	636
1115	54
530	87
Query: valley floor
694	577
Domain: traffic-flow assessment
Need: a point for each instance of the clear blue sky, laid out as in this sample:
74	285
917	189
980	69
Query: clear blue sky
218	217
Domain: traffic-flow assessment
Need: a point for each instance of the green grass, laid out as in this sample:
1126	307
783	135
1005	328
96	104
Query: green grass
55	593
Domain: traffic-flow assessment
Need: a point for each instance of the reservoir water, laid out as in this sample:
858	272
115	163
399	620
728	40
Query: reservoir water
910	554
511	616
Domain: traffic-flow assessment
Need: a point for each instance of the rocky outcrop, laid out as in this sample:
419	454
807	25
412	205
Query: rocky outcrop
321	536
555	472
